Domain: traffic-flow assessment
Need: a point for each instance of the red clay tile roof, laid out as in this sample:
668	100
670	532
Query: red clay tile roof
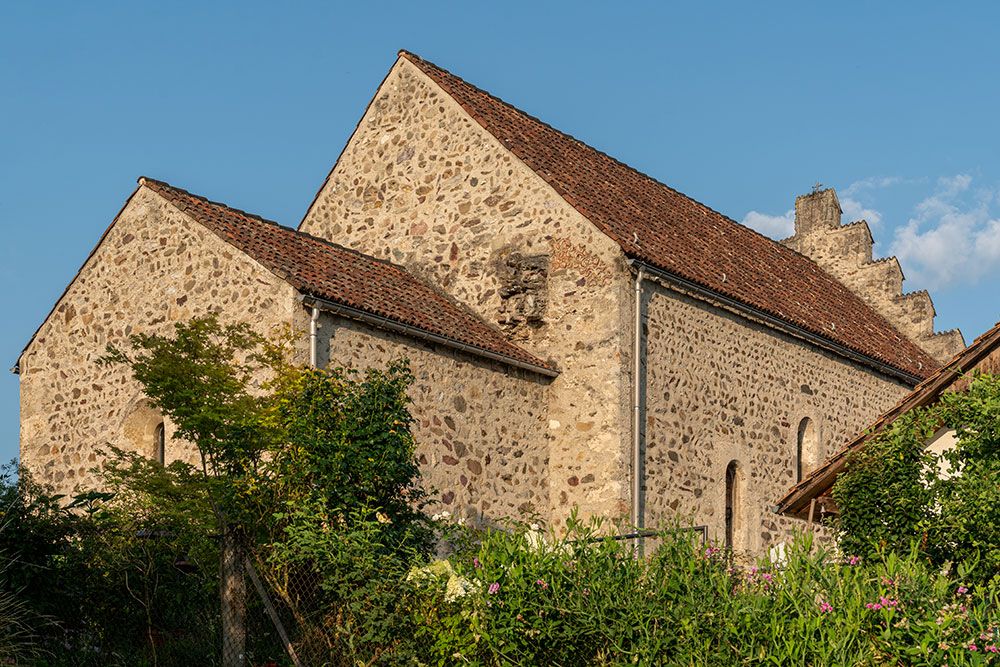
981	356
658	225
322	269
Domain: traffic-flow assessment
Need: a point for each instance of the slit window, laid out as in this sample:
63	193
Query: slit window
159	444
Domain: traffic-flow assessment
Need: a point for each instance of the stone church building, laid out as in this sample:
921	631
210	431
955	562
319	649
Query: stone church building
581	334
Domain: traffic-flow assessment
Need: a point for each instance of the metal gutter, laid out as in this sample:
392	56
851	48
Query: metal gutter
638	464
383	322
684	285
313	326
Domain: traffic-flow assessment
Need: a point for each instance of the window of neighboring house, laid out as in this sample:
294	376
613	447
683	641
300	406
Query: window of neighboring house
159	444
732	502
807	449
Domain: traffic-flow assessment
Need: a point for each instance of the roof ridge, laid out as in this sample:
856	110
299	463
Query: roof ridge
412	56
515	133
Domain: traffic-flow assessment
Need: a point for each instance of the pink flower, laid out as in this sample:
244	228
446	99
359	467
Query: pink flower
475	561
825	607
494	587
962	590
542	583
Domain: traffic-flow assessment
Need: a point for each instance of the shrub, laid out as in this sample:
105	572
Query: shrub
569	601
893	489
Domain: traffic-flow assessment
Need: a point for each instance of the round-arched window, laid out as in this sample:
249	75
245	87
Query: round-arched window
807	449
732	502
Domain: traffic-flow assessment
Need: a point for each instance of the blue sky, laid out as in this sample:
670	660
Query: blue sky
741	106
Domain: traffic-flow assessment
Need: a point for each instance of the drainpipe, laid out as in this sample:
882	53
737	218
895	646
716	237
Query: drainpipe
314	318
637	458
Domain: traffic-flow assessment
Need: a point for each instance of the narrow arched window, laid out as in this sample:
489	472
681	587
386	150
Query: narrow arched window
732	502
159	444
806	449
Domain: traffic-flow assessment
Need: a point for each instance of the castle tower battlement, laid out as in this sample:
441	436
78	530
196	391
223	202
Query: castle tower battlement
845	252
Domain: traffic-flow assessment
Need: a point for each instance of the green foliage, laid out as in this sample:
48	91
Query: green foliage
35	530
206	380
345	446
315	467
887	495
568	601
32	531
110	577
894	491
344	578
338	505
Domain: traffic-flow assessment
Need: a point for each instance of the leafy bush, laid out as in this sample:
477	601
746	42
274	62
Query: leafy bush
894	489
569	601
338	512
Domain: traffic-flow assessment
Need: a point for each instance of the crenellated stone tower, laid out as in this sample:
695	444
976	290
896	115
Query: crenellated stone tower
845	251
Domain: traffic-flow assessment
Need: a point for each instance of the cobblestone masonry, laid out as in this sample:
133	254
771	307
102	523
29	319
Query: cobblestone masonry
480	427
422	184
721	388
154	267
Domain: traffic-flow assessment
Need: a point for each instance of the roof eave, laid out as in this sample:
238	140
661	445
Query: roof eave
775	322
383	322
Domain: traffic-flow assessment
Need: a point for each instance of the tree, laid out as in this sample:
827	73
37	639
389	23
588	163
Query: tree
209	379
318	465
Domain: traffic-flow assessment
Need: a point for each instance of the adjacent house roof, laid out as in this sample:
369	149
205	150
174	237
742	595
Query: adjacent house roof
982	355
660	226
338	275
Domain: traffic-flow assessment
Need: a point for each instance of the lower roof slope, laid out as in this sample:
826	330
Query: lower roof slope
656	224
331	272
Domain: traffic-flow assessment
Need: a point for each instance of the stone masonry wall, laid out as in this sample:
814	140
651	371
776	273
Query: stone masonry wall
481	427
422	184
154	267
721	388
845	251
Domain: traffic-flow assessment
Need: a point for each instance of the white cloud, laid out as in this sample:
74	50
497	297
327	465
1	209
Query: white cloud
775	226
871	183
855	210
953	237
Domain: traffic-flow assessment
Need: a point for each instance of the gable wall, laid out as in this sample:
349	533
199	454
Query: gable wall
721	388
480	426
155	267
422	184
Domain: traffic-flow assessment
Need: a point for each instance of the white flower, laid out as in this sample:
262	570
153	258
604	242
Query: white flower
457	587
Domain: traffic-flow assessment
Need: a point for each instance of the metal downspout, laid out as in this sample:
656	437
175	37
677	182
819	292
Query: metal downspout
313	319
637	459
